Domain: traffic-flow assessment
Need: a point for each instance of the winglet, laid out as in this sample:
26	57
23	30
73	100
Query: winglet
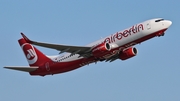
26	38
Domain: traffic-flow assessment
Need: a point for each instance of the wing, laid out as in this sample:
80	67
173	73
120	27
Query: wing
82	50
22	68
113	58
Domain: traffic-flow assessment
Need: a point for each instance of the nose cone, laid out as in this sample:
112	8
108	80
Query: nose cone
168	23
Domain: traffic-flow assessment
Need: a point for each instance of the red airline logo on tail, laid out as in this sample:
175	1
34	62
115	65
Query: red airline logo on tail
29	53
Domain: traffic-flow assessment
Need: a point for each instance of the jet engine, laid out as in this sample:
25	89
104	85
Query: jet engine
128	53
101	49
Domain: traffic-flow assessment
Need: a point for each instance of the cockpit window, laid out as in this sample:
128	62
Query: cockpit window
159	20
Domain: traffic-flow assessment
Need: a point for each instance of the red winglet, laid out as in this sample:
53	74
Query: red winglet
26	38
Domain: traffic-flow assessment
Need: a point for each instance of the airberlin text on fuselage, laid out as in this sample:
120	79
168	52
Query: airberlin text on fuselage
123	34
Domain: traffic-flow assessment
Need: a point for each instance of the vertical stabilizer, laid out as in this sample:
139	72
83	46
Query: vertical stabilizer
33	55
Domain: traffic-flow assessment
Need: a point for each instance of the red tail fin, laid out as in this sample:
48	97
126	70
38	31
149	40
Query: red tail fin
33	55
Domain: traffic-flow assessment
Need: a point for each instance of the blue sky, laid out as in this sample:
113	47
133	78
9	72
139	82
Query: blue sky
153	75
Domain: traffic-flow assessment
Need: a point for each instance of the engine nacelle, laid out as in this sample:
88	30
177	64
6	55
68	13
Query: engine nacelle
101	49
128	53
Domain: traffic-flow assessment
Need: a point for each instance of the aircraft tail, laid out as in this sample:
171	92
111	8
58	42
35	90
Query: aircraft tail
33	55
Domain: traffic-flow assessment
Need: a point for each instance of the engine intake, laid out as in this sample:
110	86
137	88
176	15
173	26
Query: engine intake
101	49
128	53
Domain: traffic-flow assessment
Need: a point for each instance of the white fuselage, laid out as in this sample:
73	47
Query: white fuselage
124	37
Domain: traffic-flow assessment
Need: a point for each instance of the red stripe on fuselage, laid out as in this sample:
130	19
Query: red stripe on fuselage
61	67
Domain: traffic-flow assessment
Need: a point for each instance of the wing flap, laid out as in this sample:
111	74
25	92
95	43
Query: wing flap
113	58
64	48
22	68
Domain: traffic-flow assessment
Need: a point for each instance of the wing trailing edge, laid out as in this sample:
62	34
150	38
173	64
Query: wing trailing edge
81	50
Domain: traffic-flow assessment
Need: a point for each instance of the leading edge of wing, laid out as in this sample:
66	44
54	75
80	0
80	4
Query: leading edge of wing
22	68
62	48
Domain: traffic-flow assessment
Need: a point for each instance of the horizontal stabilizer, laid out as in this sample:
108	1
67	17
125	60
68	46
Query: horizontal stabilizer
22	68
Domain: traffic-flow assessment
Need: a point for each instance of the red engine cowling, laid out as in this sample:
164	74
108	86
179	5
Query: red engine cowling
101	49
128	53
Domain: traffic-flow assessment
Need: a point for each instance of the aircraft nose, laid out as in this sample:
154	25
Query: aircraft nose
168	23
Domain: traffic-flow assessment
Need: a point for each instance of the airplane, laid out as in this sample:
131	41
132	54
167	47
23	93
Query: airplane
119	45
